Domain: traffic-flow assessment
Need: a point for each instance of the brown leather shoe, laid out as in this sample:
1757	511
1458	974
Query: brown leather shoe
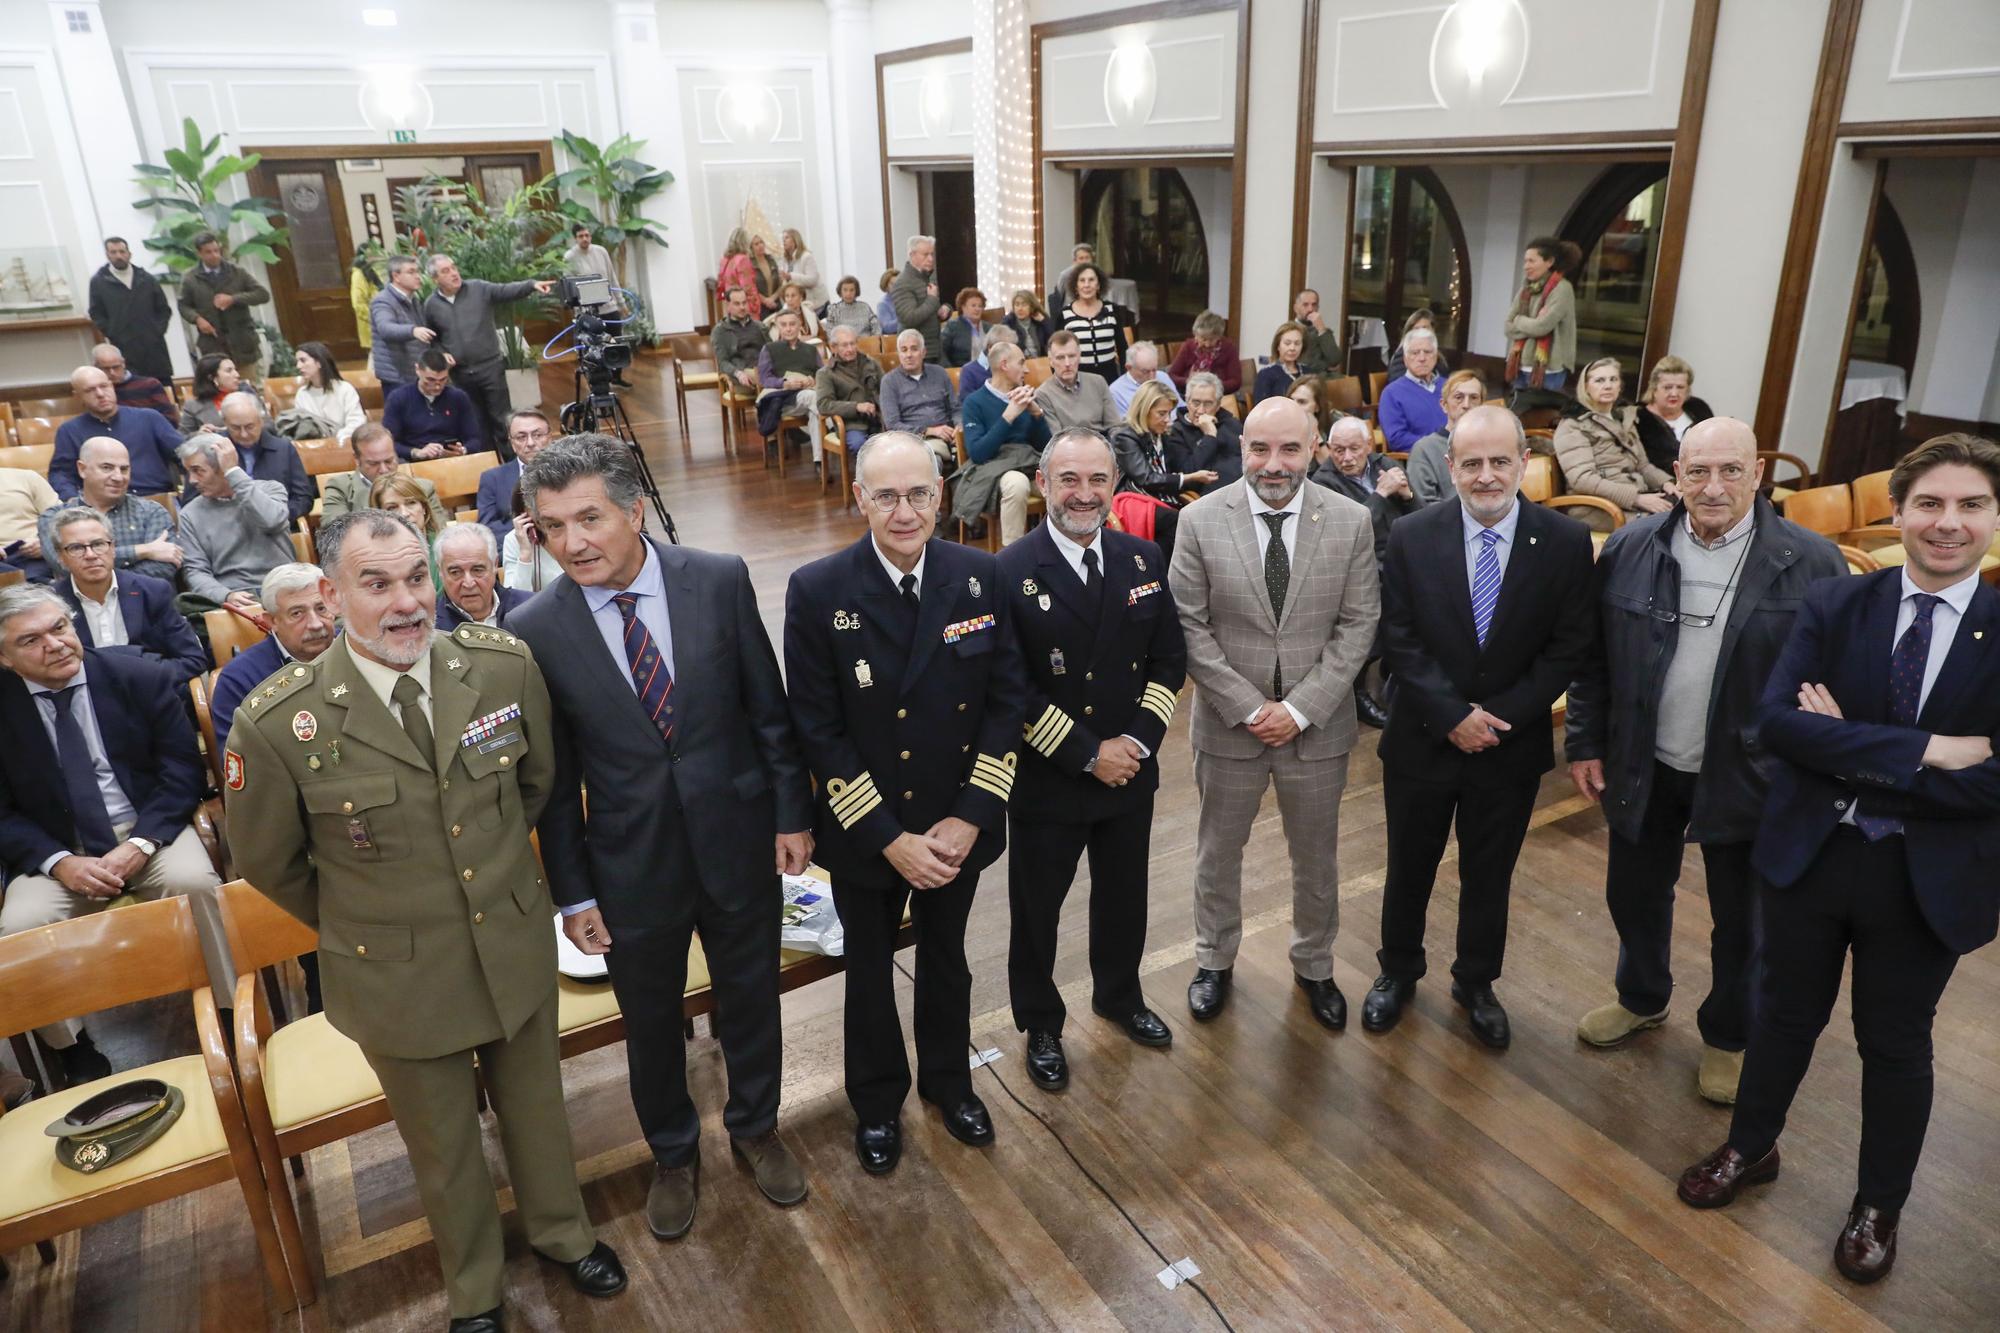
777	1172
1714	1180
670	1202
1866	1250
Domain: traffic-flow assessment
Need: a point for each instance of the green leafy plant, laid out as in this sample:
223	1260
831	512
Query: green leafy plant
621	185
514	241
283	358
185	196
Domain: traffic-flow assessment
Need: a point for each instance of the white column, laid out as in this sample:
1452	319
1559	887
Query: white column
857	177
1003	160
1269	152
107	144
649	108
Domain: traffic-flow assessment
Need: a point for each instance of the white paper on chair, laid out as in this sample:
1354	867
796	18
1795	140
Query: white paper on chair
811	925
573	962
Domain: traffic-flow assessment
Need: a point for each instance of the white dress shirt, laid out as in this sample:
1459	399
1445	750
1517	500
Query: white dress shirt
116	803
1296	507
1502	549
106	618
895	574
1944	628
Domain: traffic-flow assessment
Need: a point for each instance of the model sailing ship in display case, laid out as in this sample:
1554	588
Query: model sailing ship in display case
23	292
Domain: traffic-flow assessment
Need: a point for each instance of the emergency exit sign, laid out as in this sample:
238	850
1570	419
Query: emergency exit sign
402	136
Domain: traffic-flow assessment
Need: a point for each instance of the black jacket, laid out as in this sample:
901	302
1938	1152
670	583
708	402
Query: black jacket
1614	701
1189	450
1657	437
134	319
1541	632
1382	510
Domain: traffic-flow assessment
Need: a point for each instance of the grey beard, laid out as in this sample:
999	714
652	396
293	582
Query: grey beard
381	651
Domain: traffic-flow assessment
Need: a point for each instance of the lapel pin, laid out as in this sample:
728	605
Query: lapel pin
305	726
1043	601
454	664
1533	540
1979	634
1140	561
1028	586
864	675
972	586
336	692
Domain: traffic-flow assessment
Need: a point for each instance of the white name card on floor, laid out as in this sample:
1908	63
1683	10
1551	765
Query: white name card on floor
1179	1273
985	1057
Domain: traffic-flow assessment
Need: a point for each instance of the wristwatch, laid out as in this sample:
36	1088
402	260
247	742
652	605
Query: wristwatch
1090	764
146	845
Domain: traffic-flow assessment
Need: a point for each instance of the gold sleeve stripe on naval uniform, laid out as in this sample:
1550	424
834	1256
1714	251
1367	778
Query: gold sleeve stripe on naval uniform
851	801
1049	732
994	775
1160	701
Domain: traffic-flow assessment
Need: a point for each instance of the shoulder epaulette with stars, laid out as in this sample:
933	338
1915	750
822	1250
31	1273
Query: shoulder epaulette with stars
480	636
280	685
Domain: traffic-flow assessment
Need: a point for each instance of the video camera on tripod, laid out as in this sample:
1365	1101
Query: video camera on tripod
600	353
600	356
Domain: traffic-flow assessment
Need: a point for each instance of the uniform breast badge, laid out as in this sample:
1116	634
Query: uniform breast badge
1140	561
842	620
357	834
232	770
1043	601
1143	590
1056	667
304	725
972	586
864	675
1029	587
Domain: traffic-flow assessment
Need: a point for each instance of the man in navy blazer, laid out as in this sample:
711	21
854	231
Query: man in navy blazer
1880	833
116	610
468	565
527	435
99	780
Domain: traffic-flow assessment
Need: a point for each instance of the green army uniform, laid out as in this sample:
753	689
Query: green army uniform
348	492
434	920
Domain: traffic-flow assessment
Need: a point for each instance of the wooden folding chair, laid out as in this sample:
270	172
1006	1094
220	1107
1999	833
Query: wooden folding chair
1871	498
100	961
229	633
31	457
1827	510
692	350
63	405
34	431
1801	478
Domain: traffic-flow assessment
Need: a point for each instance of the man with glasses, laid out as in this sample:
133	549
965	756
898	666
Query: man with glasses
527	435
125	612
907	694
1695	606
142	529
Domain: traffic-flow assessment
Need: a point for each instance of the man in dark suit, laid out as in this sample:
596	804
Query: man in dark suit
1486	616
468	564
99	780
907	694
129	309
302	627
120	611
1085	599
670	710
1878	835
527	435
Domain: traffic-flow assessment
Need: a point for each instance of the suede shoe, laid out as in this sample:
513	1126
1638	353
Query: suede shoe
1613	1024
1720	1072
1866	1250
670	1202
771	1163
1046	1064
596	1274
1716	1179
1208	992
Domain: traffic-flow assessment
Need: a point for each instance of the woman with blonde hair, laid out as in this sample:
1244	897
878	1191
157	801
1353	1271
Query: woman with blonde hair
1599	452
1667	409
739	269
1140	445
799	266
399	494
1309	392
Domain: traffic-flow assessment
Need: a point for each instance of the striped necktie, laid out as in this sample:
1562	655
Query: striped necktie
650	676
1485	583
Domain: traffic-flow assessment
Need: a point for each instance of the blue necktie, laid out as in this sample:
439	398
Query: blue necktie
1906	692
649	670
79	770
1485	583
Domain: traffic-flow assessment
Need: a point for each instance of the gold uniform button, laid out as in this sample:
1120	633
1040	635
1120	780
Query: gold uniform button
456	830
467	876
1089	676
961	708
1086	710
909	796
347	807
904	712
505	760
479	918
360	951
906	754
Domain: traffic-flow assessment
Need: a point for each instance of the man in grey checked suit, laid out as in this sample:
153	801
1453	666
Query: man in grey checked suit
1278	596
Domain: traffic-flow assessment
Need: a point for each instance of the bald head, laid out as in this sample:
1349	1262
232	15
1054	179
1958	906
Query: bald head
1718	473
1278	439
105	468
1724	433
94	387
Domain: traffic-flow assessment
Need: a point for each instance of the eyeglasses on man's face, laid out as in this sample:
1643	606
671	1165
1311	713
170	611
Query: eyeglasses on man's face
87	548
920	498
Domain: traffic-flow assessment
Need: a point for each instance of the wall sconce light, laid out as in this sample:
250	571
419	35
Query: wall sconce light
749	112
1130	84
1478	53
393	98
934	104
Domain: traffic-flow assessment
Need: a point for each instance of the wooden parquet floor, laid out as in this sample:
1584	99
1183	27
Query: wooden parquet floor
1319	1181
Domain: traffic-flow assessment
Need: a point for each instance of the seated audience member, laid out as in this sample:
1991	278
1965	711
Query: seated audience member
1667	410
739	269
430	417
738	339
1211	351
1204	438
1309	392
264	453
528	564
885	309
302	627
142	528
215	378
140	391
792	297
1029	319
25	495
398	494
149	442
527	435
849	386
1142	366
1419	319
1409	408
327	407
797	264
96	801
785	370
849	311
1098	323
1005	433
1059	294
1322	346
1287	345
918	398
467	560
1350	466
234	532
374	458
1071	399
1429	468
1140	445
963	338
975	372
114	611
1600	454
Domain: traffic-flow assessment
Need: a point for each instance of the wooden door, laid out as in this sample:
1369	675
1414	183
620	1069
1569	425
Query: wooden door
309	283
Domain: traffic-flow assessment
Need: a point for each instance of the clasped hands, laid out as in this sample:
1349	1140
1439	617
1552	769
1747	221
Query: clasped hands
1948	753
1274	724
931	860
99	876
1117	761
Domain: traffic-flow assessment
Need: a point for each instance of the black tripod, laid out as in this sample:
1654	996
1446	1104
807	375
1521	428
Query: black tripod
597	408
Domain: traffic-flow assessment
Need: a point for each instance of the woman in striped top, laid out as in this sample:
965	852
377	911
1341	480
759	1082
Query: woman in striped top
1099	325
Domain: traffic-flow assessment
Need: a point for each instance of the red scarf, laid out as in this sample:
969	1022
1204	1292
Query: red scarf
1542	343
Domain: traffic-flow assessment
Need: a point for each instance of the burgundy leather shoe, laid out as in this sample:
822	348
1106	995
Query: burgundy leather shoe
1866	1250
1714	1180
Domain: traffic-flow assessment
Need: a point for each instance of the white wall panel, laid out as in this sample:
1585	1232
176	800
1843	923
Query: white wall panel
1925	59
1169	83
928	106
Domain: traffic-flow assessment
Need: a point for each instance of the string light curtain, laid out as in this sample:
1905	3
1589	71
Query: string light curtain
1003	157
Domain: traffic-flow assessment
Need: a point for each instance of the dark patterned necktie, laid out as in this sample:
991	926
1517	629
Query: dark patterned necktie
650	676
1277	580
79	770
1906	692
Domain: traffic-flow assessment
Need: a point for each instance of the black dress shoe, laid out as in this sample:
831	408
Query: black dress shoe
1046	1064
1489	1020
489	1322
596	1274
1384	1006
966	1120
1208	992
1329	1006
83	1062
1370	709
1141	1025
879	1147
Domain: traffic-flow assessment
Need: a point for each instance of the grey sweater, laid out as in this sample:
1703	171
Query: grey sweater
1709	576
464	323
230	545
918	404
